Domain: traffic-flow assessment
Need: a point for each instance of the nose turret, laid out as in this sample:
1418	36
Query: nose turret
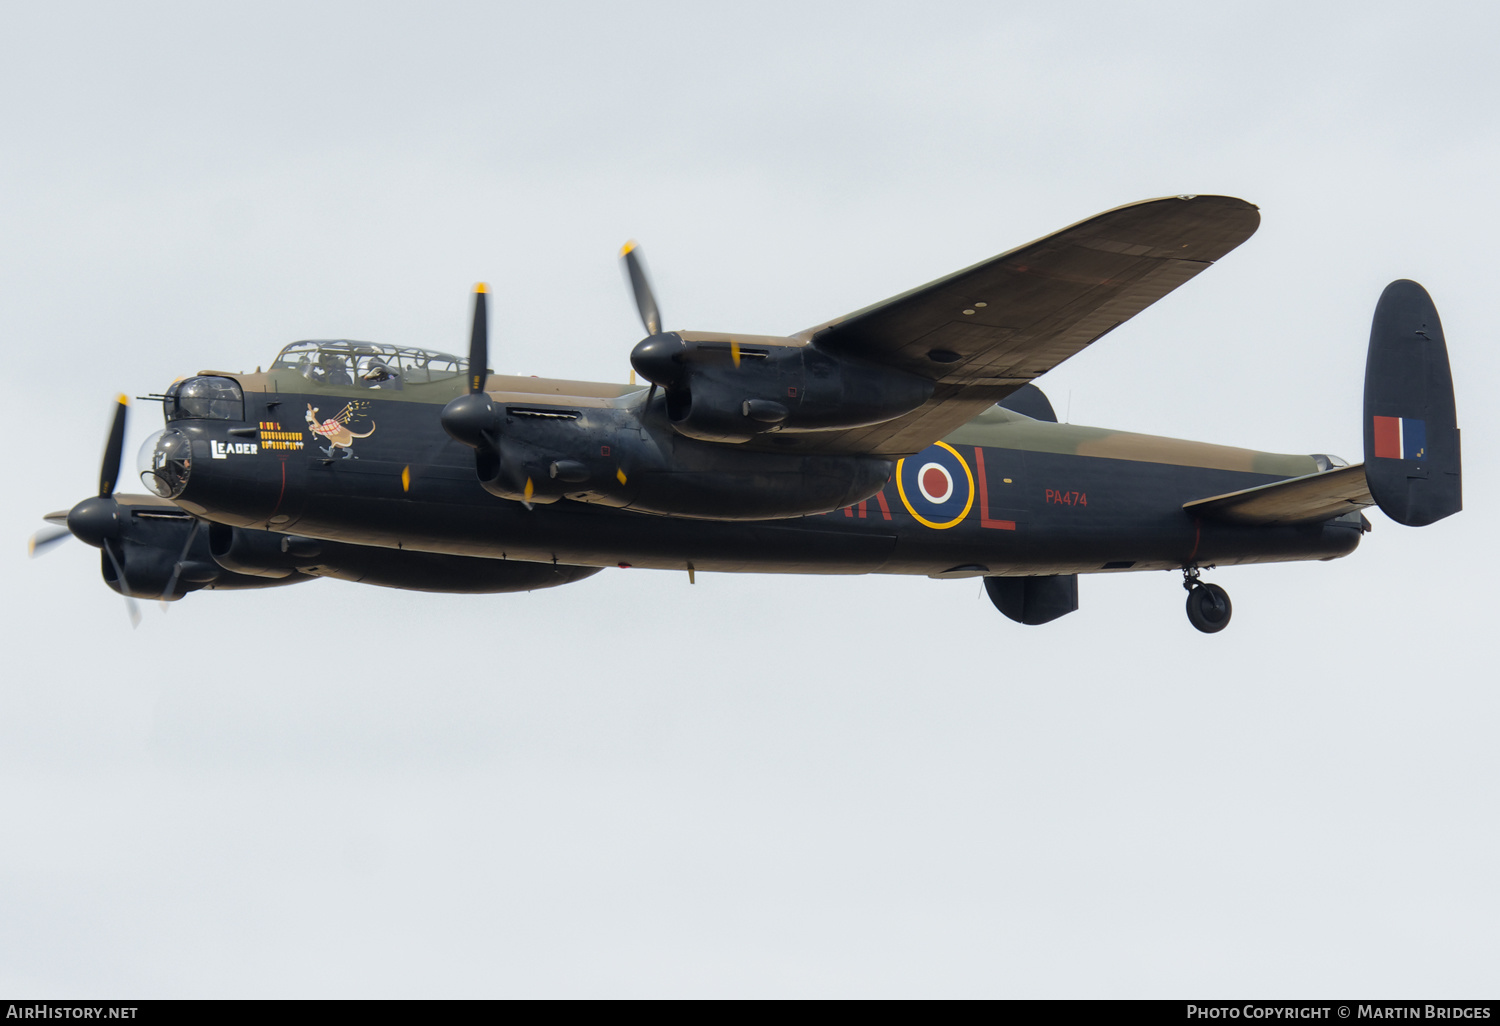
165	462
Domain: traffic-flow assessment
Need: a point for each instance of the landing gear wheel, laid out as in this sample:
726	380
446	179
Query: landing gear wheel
1208	607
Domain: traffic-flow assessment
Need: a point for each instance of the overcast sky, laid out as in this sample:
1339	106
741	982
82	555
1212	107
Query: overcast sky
754	785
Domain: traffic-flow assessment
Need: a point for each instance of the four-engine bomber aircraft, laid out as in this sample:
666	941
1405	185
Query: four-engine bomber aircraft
904	438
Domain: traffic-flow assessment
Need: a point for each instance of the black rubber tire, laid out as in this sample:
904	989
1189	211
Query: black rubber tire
1209	608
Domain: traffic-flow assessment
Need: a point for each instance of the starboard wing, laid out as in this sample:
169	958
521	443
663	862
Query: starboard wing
1297	500
983	332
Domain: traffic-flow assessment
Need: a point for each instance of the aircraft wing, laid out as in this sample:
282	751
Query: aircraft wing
1297	500
983	332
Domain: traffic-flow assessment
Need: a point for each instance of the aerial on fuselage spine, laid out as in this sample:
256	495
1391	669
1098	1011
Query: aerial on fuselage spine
904	438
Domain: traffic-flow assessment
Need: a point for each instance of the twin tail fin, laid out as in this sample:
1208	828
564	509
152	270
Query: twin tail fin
1412	467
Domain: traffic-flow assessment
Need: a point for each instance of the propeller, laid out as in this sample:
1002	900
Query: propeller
132	607
471	418
187	546
44	539
479	340
645	299
97	520
114	447
655	357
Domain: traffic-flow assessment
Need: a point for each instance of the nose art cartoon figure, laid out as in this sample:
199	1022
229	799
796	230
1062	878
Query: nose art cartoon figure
336	430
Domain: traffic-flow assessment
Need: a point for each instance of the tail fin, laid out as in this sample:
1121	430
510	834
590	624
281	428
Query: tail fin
1411	427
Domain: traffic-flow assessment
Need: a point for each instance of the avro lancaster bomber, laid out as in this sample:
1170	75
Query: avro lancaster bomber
904	438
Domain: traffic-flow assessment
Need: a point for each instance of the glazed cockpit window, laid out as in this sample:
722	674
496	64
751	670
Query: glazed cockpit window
367	364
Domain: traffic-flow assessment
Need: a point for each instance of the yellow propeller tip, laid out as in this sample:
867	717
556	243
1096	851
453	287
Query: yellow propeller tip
481	287
122	399
627	247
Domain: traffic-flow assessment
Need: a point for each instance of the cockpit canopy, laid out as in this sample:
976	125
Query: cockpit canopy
367	364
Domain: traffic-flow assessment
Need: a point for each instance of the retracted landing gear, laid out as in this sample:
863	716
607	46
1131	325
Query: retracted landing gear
1208	606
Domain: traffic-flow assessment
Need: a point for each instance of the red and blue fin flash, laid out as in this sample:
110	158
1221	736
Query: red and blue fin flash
1400	438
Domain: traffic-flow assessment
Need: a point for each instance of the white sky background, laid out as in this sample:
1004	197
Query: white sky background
758	785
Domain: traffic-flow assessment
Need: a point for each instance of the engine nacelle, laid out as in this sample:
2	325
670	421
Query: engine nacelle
272	556
155	543
723	388
626	455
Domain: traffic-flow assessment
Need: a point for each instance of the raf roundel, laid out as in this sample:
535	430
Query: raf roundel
936	486
935	483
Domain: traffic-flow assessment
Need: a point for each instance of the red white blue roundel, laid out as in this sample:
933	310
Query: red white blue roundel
936	486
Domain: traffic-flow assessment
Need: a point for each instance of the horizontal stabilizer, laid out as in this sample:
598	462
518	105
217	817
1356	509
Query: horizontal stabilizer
1298	500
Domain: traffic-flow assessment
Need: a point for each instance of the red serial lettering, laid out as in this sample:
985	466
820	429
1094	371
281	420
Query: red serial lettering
1067	498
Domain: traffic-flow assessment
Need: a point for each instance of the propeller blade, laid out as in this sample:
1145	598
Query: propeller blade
645	300
479	341
132	608
166	595
109	469
44	540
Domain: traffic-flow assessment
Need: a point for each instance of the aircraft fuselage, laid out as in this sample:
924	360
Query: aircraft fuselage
1004	495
